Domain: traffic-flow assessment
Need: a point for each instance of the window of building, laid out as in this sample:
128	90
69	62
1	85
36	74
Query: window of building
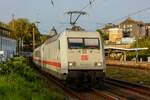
130	25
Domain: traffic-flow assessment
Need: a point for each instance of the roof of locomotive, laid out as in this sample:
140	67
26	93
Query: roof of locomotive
69	33
81	34
51	39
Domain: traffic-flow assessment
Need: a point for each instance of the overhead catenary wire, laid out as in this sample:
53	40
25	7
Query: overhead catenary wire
87	5
90	3
132	14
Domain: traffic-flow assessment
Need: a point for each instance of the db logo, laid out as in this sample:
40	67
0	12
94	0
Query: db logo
84	57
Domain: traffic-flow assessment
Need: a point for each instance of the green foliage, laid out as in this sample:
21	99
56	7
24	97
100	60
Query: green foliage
141	54
131	55
4	25
18	81
142	43
18	65
131	75
105	36
14	87
23	32
43	38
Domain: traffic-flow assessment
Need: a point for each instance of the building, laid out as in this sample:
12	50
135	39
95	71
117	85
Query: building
115	35
7	44
106	28
126	33
132	28
147	28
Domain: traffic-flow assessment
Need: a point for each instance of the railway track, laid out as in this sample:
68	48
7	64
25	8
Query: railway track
127	90
90	94
114	90
72	95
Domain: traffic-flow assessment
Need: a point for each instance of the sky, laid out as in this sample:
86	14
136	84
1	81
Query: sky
99	13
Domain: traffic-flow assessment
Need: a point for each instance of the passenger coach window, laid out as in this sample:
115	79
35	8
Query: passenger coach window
91	43
75	43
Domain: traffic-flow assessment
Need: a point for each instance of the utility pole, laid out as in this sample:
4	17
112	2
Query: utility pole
13	22
33	33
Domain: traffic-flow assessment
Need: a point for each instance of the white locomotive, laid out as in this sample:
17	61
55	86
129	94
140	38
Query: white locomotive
74	56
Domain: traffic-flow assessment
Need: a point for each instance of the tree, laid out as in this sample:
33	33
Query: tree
142	43
22	32
105	36
43	38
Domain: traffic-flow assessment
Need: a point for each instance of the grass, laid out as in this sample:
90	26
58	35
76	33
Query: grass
18	81
131	75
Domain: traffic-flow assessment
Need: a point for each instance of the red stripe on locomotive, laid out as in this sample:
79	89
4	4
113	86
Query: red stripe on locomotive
53	63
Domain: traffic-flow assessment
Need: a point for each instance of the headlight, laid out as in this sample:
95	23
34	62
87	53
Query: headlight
71	63
98	64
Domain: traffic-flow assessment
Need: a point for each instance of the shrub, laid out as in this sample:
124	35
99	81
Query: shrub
19	81
20	66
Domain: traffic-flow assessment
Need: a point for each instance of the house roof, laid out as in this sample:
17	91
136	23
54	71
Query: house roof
147	24
130	20
108	26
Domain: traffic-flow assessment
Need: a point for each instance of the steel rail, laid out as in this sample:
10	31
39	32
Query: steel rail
72	93
51	78
104	95
133	87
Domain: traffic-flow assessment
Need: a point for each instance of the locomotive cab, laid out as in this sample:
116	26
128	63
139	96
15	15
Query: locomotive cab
84	53
84	56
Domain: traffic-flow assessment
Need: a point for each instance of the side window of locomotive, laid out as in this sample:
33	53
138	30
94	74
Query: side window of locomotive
92	43
75	43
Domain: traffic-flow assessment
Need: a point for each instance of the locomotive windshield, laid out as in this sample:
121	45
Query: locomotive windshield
81	43
91	43
75	43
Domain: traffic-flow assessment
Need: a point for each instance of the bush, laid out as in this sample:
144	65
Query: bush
20	66
18	81
141	54
130	56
